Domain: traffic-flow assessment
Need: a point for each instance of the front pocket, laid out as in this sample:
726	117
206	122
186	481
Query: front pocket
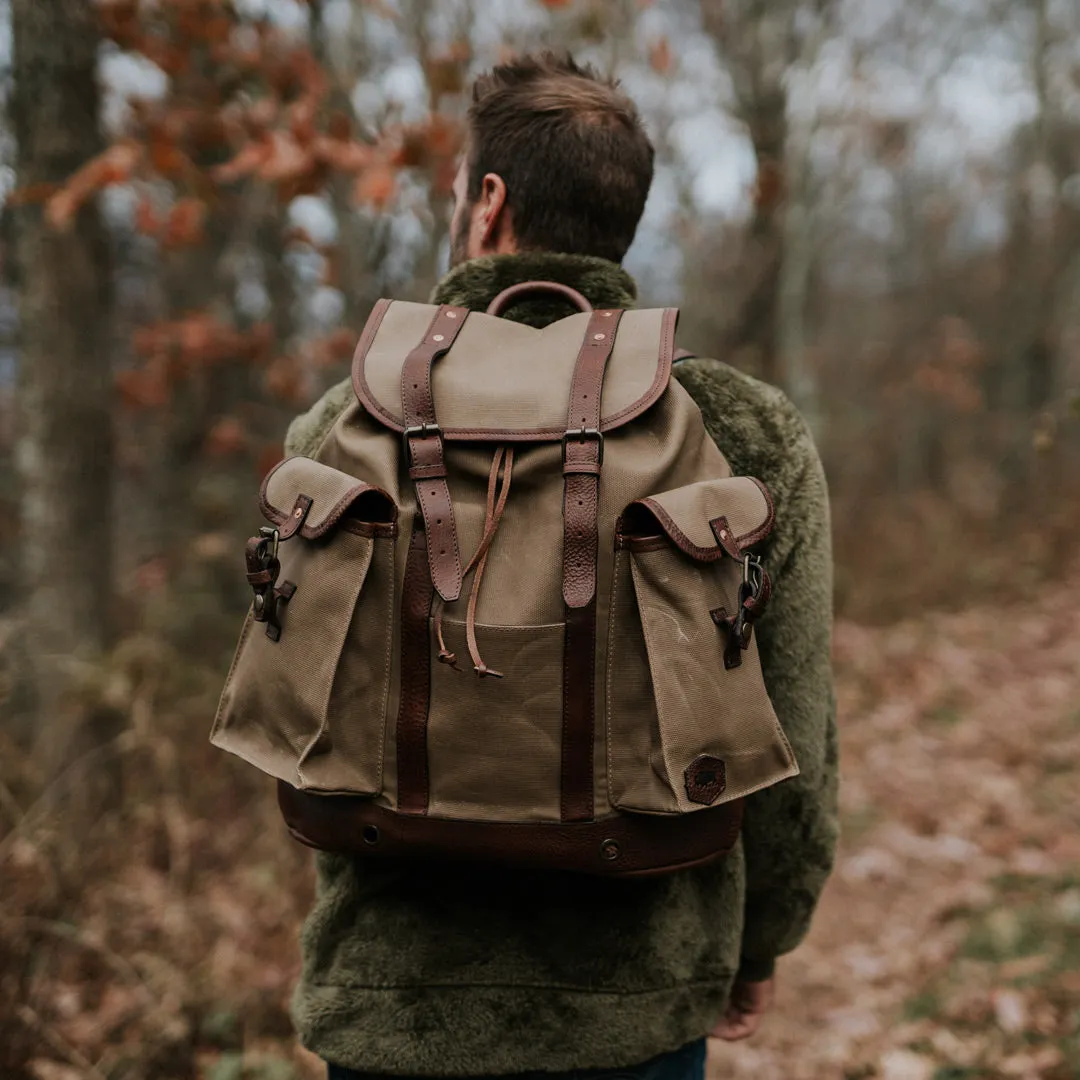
690	724
494	745
308	707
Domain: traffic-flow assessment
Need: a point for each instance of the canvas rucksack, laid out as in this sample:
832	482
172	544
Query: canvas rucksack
506	612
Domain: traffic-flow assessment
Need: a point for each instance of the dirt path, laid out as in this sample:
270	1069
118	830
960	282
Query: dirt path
948	943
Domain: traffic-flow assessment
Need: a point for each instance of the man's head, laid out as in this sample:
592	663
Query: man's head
556	159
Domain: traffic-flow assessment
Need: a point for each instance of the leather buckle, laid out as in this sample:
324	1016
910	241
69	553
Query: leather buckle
581	435
421	431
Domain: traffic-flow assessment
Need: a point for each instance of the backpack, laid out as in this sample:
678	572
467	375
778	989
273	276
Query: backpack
506	612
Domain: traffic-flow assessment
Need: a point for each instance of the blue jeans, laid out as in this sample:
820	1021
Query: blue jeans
685	1064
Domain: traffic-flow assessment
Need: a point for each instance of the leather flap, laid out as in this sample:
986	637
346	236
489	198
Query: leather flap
306	491
708	519
505	381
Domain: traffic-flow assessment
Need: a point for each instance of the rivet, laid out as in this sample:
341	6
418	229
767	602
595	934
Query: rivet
609	850
598	337
438	337
298	512
451	314
370	834
605	314
723	534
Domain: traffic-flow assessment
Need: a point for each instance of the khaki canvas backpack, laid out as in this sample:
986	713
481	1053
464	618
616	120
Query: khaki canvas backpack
506	612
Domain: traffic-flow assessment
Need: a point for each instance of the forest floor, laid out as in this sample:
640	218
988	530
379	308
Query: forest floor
947	945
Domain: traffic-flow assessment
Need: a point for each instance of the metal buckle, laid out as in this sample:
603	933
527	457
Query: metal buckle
418	431
581	434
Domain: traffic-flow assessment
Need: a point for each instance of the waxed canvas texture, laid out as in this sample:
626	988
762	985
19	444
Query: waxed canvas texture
663	696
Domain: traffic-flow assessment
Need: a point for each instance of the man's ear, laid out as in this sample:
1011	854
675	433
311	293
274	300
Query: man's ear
494	217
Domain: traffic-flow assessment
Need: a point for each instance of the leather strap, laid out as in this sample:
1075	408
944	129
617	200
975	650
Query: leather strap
579	720
412	719
583	456
424	450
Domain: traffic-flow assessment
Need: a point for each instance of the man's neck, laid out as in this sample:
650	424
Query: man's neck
474	284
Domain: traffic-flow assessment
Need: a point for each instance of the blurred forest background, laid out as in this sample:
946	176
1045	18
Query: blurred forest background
873	203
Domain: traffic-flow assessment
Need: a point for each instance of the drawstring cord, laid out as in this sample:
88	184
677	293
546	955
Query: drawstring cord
496	504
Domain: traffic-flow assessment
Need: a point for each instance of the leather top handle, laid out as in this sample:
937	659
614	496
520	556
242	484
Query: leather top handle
527	288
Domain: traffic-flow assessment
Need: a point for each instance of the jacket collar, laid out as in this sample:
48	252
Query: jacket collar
474	284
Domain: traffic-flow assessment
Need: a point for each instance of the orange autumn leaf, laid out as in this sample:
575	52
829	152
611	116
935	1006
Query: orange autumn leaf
113	166
184	226
286	160
660	56
247	160
376	186
227	438
147	221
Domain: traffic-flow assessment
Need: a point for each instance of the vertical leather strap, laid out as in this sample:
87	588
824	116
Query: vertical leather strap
583	456
425	454
412	719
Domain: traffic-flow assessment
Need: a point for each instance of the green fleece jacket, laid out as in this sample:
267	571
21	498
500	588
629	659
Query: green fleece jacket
410	970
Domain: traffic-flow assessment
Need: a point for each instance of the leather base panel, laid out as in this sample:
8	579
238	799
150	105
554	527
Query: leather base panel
623	845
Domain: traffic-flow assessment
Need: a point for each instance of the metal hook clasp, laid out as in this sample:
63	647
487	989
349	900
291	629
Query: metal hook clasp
271	540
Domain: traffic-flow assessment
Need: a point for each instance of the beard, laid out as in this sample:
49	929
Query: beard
459	238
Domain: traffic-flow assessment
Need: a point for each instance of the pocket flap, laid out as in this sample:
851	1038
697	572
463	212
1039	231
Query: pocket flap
706	520
315	496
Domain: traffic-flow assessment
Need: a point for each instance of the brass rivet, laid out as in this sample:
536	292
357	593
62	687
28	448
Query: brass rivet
609	850
598	337
451	314
606	314
723	534
438	337
298	512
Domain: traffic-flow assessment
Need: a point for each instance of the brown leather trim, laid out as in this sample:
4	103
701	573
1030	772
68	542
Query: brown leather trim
725	536
663	373
376	530
528	288
279	517
412	720
576	797
642	844
295	520
371	328
504	435
424	450
641	543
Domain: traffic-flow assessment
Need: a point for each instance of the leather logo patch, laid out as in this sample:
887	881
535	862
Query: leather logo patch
706	778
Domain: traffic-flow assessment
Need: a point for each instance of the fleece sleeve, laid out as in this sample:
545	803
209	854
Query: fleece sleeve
790	830
307	431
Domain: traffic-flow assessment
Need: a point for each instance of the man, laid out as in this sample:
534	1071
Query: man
418	970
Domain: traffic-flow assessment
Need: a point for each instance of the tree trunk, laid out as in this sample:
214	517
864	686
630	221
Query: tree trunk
64	446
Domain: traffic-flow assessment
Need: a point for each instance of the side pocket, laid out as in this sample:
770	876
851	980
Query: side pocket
690	724
309	707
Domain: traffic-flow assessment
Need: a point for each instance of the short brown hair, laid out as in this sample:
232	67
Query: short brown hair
571	149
